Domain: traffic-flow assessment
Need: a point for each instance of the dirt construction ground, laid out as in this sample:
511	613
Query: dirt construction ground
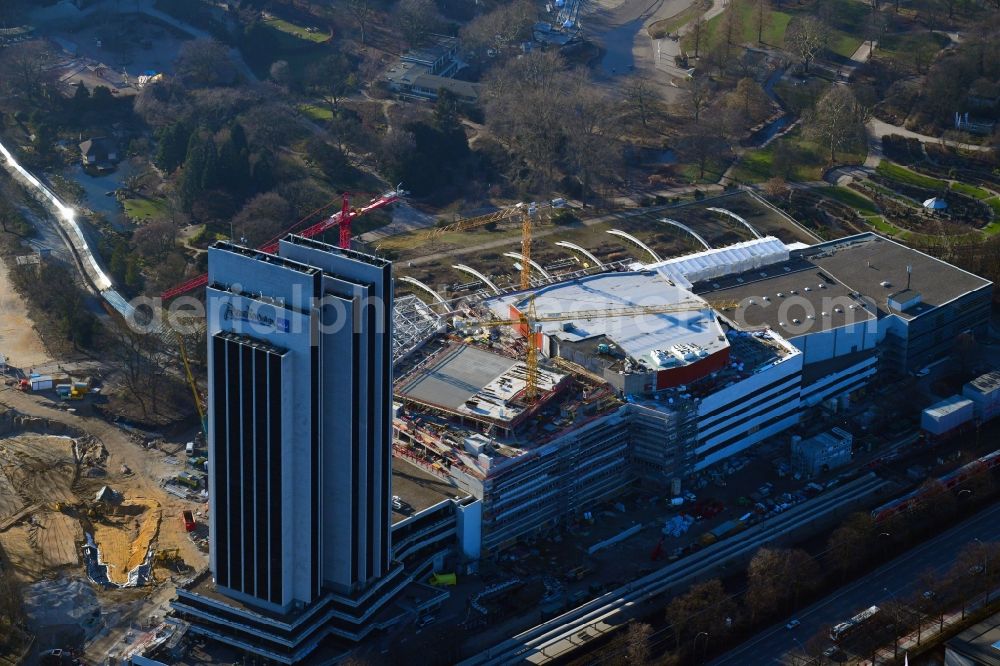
19	342
124	539
48	488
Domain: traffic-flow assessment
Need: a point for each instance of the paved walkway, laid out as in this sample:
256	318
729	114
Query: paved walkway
880	128
667	48
930	630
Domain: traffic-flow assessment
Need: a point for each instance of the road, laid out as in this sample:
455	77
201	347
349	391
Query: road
573	630
541	233
898	578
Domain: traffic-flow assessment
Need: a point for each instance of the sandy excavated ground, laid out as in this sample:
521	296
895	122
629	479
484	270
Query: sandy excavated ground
35	469
38	471
18	340
55	536
123	544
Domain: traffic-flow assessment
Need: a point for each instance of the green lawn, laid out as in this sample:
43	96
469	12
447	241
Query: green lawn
885	227
904	46
663	27
143	208
806	160
992	228
297	30
994	203
713	171
316	112
850	198
773	33
971	191
904	175
845	33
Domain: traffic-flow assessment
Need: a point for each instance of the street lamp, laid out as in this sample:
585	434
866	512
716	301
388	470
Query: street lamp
986	572
895	623
704	650
795	659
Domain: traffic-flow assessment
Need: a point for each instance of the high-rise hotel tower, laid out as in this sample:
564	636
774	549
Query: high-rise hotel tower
299	440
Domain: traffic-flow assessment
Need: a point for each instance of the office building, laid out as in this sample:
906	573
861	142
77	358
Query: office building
299	436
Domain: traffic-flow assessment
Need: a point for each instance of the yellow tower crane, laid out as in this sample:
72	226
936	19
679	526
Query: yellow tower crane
194	386
476	222
528	321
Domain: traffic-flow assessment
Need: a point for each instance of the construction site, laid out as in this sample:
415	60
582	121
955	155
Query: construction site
83	536
560	385
562	366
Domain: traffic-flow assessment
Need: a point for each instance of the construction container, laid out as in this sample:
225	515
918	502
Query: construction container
64	389
984	392
947	415
443	579
41	382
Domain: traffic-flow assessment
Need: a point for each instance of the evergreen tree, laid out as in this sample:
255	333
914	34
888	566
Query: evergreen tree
81	98
133	276
234	162
263	172
194	166
172	148
210	166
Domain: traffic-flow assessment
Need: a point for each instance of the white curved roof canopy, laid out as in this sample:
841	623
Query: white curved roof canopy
686	270
633	239
739	219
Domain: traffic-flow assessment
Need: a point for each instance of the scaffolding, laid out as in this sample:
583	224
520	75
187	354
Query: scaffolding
414	323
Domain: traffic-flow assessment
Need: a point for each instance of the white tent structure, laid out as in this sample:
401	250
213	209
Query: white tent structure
936	203
688	269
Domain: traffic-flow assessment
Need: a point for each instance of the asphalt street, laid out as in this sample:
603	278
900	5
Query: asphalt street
898	578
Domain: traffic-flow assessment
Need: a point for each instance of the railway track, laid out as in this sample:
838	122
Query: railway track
561	635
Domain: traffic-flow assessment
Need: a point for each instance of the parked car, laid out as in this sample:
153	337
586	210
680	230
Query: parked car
792	624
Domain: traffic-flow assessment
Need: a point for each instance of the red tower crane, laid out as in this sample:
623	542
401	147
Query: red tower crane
343	217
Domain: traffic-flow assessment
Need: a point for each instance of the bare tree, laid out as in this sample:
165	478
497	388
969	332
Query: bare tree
590	125
761	17
138	359
525	101
776	577
704	607
507	24
751	99
701	143
837	120
850	545
362	12
697	31
637	648
417	19
806	36
641	100
205	63
729	31
700	94
331	78
280	72
22	69
262	218
156	238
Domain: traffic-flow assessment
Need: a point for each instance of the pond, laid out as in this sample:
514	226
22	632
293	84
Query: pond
96	189
762	136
